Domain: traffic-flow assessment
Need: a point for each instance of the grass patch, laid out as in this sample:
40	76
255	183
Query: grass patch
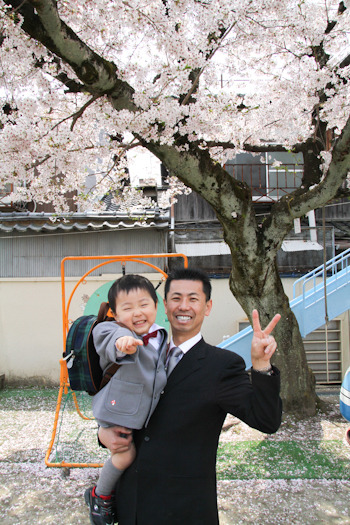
28	392
309	459
28	398
41	398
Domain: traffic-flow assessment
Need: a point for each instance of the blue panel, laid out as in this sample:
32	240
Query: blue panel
240	343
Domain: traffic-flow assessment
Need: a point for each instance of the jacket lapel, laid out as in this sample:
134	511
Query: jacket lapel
190	362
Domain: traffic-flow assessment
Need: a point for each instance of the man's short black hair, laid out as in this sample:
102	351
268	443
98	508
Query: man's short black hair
189	274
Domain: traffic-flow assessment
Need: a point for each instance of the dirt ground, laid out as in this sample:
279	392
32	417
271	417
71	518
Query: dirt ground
31	493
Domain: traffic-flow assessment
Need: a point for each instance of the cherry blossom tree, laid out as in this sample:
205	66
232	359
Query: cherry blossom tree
195	82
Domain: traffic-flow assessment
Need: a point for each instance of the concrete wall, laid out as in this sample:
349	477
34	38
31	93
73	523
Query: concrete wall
31	340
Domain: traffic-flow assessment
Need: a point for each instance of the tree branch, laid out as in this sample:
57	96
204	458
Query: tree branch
37	163
209	57
41	21
72	85
77	114
301	202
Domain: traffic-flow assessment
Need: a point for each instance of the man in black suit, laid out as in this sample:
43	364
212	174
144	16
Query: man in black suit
173	480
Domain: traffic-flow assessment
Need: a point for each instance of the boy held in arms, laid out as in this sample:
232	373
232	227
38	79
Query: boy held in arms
134	341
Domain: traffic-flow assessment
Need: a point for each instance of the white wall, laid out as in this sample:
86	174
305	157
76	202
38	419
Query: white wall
30	329
31	340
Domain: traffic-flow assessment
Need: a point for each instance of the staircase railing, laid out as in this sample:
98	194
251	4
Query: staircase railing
310	307
322	293
333	267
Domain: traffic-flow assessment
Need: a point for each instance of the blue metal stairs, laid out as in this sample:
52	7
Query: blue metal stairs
309	307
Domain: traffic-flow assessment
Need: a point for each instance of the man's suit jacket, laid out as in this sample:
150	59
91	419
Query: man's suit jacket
173	479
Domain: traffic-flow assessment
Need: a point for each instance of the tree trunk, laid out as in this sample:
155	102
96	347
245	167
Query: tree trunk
297	380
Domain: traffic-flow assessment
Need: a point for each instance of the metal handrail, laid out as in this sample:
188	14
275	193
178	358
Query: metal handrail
333	266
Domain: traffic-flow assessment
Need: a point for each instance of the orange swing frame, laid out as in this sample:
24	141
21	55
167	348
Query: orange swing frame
64	379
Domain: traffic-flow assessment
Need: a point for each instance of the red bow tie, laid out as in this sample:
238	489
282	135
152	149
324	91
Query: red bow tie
147	337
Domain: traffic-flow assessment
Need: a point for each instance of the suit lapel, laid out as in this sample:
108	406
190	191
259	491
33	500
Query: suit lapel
163	345
191	361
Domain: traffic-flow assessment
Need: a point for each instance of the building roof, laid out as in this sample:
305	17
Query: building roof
23	222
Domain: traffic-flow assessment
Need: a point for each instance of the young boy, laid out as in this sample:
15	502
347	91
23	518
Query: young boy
129	399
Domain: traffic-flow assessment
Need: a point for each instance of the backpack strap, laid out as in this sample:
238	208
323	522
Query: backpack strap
109	373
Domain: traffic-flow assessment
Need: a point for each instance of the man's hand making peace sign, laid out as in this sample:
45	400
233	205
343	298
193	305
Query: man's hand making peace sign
263	343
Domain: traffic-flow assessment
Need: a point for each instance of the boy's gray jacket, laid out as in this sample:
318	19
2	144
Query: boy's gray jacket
132	394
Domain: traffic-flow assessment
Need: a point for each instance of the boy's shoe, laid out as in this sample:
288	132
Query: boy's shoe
101	508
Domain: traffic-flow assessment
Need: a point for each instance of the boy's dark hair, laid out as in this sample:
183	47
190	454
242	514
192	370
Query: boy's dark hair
189	274
126	284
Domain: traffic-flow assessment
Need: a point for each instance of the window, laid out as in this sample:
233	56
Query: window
270	175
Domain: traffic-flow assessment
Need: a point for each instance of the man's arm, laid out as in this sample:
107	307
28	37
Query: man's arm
116	439
257	403
254	400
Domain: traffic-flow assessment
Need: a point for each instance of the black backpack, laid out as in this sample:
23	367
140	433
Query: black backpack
83	362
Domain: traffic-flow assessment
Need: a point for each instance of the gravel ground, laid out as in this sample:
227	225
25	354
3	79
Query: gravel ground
32	493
